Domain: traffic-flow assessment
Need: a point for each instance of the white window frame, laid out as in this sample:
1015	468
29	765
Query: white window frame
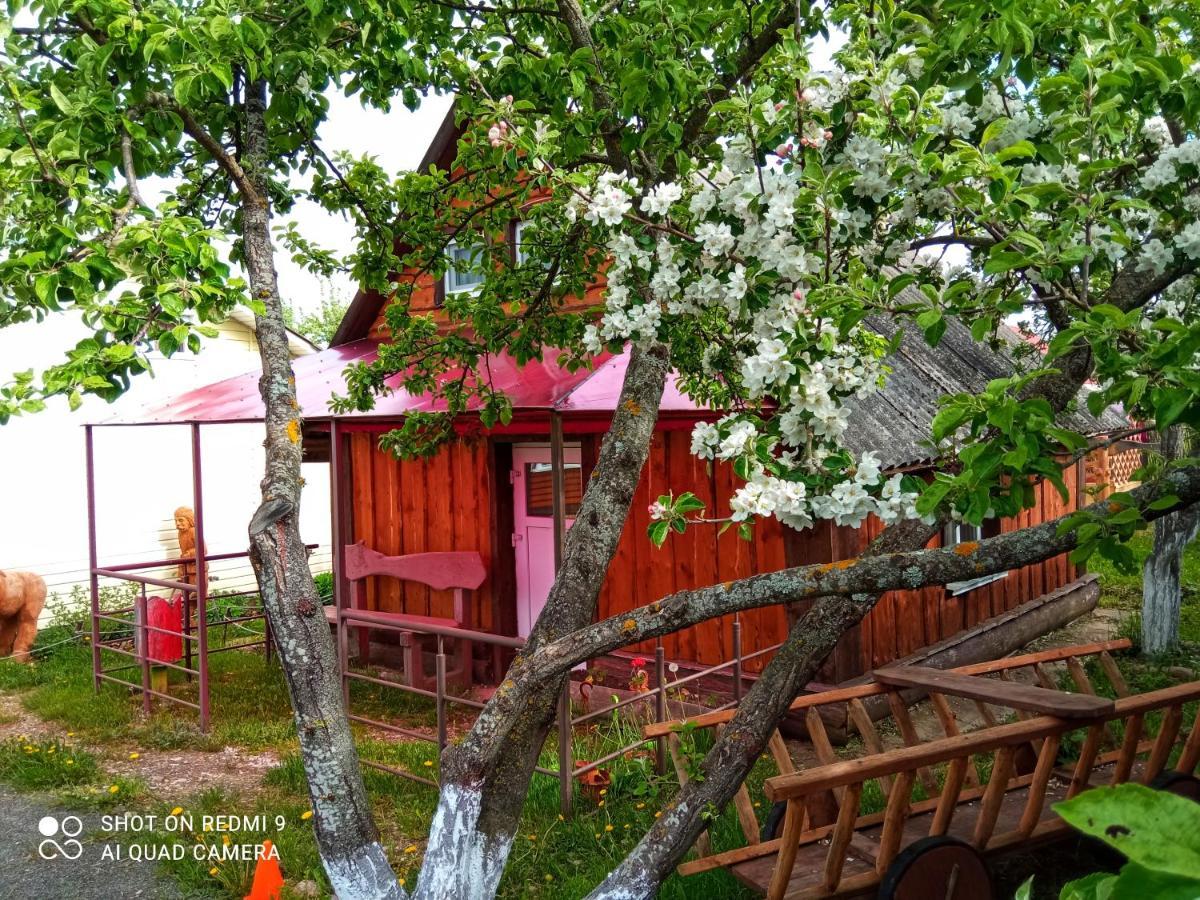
448	280
960	533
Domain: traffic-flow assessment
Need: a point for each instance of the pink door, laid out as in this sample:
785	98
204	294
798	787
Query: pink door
533	524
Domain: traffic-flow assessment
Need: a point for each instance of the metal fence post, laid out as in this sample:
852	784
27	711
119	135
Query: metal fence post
201	576
142	645
93	579
565	763
660	673
737	658
441	691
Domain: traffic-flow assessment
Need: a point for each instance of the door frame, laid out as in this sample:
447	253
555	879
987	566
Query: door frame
522	454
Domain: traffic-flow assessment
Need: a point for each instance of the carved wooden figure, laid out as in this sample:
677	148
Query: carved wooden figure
22	596
185	525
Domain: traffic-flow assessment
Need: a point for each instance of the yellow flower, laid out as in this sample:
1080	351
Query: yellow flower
601	803
757	805
70	762
177	810
626	827
411	848
658	815
533	837
608	828
402	882
50	749
306	815
134	755
114	788
641	806
225	840
561	817
429	763
603	791
597	835
549	877
70	734
214	871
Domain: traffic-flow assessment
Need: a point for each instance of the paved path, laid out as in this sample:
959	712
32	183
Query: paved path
25	875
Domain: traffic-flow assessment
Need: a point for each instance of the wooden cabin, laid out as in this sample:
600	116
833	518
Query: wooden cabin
489	490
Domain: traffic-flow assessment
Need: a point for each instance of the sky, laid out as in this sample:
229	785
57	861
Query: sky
397	140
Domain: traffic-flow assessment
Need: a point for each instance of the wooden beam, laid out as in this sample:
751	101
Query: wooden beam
1014	696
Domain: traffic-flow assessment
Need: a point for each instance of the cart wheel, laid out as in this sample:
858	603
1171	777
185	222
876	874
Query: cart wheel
773	825
937	868
1180	783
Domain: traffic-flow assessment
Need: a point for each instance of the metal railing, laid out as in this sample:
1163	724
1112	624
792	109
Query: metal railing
656	696
138	628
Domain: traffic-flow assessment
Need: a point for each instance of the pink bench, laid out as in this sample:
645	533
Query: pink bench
456	571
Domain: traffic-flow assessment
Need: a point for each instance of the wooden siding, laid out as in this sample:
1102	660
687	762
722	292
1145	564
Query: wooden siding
414	506
444	504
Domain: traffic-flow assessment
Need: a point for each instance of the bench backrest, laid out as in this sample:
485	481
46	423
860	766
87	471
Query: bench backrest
457	570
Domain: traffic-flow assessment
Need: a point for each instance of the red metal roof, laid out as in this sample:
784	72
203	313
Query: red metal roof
536	386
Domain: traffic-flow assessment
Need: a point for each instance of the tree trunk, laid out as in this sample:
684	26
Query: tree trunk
346	834
485	779
1162	592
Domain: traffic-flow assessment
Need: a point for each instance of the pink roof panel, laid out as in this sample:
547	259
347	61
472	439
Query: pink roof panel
538	385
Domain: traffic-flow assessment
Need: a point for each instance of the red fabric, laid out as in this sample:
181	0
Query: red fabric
166	614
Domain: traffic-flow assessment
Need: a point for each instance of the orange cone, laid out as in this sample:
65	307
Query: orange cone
268	878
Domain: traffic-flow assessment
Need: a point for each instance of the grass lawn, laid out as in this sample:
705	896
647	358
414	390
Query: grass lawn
552	856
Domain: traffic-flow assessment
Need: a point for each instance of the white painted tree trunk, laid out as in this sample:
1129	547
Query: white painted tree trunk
1162	592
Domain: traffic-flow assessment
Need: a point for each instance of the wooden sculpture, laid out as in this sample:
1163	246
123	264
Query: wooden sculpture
22	596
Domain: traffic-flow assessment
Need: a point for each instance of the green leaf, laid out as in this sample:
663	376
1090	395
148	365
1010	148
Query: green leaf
658	532
1097	886
1157	830
61	101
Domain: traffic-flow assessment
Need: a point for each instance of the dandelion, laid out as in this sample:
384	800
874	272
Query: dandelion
214	871
70	762
533	837
411	848
658	815
306	815
112	789
70	734
135	756
601	803
641	806
603	791
626	826
402	882
428	763
608	827
549	877
561	817
597	835
225	840
177	810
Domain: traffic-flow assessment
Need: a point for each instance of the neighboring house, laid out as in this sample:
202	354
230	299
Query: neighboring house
489	490
143	474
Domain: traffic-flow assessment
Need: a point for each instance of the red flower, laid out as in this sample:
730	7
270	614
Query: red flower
638	662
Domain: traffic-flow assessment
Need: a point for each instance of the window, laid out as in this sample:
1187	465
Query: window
962	533
460	277
520	254
539	489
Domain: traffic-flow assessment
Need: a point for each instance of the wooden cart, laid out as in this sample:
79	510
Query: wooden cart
817	844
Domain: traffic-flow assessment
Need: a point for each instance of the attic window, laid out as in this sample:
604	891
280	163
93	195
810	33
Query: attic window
962	533
460	277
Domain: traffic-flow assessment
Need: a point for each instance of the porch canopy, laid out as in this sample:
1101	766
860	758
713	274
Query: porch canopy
537	387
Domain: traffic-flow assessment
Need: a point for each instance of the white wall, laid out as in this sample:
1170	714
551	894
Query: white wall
142	473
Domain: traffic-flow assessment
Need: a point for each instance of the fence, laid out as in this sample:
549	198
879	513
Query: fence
656	696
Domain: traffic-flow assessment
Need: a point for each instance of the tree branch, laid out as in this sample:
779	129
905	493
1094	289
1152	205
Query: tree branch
891	571
220	155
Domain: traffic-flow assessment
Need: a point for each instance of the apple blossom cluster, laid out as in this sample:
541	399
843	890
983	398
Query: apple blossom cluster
744	264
